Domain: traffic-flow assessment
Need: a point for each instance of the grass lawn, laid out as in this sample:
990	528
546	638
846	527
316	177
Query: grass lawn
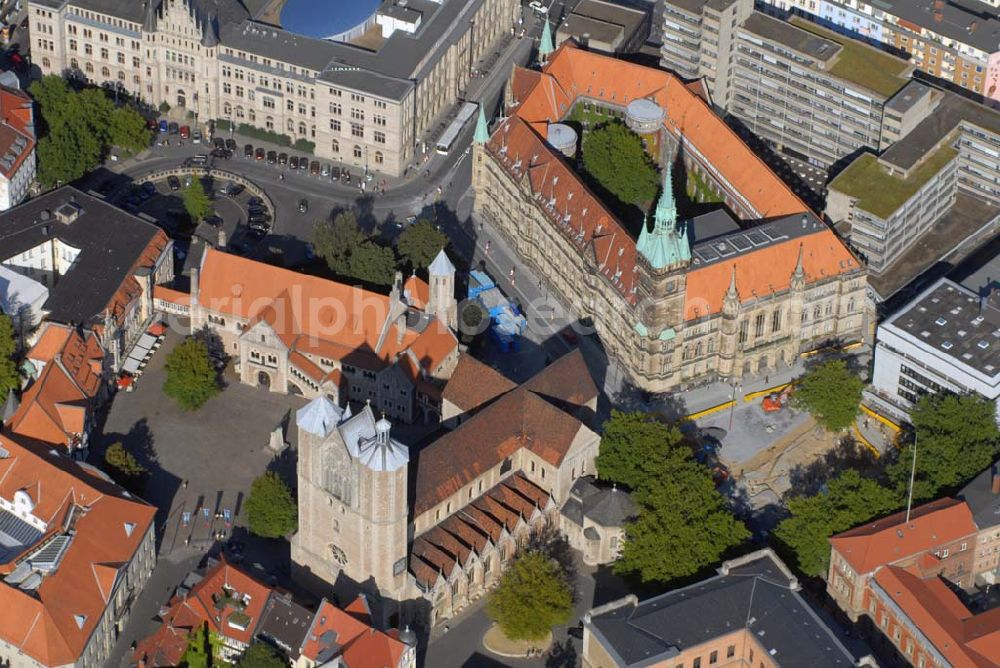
862	64
591	118
699	190
880	193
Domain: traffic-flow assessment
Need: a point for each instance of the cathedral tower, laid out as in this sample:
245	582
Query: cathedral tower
441	302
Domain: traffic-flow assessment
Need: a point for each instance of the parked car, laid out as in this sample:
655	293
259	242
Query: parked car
334	173
222	153
259	154
293	162
174	183
303	205
231	144
260	225
282	158
163	126
196	137
231	189
199	159
185	132
538	8
314	167
325	171
172	128
219	142
107	187
248	151
272	157
214	221
303	163
256	233
254	201
149	188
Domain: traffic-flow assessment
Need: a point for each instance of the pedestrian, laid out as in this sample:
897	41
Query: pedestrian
488	246
767	379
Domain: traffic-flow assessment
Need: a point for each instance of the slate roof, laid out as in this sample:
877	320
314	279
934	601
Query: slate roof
603	505
285	623
760	596
984	504
112	243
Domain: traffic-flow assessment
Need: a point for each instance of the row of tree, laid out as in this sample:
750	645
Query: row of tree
352	253
79	129
955	437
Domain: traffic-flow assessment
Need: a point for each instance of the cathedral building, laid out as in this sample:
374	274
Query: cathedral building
294	333
429	531
739	290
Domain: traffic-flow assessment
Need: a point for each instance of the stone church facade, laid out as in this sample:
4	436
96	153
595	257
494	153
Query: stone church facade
480	492
732	292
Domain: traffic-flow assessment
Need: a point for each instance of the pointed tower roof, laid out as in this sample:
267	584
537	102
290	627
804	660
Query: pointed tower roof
545	45
319	416
667	244
441	266
482	134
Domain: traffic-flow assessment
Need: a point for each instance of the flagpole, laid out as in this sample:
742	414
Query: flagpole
913	473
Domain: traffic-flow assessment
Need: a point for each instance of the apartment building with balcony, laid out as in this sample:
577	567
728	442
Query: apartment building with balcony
952	41
366	103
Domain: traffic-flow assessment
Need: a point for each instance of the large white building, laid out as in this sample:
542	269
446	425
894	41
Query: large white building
365	103
947	339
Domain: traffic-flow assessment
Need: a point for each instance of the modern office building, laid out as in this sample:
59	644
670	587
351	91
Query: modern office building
614	28
935	187
810	93
366	102
953	41
946	339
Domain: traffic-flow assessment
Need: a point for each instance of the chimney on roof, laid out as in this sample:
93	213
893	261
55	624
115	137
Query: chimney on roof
938	16
995	481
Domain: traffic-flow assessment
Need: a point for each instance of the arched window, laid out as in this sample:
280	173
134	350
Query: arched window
74	64
291	125
45	63
239	112
357	151
252	115
379	158
89	68
312	131
121	76
269	123
105	72
227	109
302	128
335	146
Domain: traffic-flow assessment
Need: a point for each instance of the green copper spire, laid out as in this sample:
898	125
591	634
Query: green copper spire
545	46
667	244
482	134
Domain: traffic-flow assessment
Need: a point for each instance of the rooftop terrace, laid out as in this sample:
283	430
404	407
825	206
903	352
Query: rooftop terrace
881	193
859	63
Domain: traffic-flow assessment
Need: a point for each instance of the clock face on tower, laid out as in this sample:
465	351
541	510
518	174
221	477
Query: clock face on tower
338	555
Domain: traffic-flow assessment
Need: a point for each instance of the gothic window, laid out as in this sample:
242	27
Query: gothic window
850	306
744	330
338	555
711	346
776	320
816	312
758	327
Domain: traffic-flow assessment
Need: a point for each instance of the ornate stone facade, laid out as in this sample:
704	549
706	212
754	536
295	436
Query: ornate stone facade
363	106
713	298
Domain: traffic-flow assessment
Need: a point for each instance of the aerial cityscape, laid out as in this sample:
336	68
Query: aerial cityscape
499	333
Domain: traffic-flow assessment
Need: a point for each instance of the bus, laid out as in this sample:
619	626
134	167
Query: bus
451	133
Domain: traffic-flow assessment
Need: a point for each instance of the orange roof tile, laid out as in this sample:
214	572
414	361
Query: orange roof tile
46	626
317	316
887	540
473	384
417	292
171	296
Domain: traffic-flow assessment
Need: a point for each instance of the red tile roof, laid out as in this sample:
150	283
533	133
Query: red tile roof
547	97
317	316
964	639
417	292
16	121
360	644
473	384
887	540
56	405
54	625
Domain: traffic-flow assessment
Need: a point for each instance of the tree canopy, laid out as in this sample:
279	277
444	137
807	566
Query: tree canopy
956	437
199	650
261	655
682	515
831	392
637	450
196	201
613	155
124	468
80	128
533	596
420	243
334	240
271	509
9	379
849	500
373	263
191	378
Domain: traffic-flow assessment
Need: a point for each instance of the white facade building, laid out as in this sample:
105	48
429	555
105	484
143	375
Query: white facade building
947	339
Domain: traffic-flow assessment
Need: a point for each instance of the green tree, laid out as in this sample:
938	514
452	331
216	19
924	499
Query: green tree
636	450
831	393
681	515
261	655
533	596
122	462
271	509
9	379
66	153
613	155
196	201
373	263
191	378
164	107
199	651
127	130
956	438
420	243
849	500
335	240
